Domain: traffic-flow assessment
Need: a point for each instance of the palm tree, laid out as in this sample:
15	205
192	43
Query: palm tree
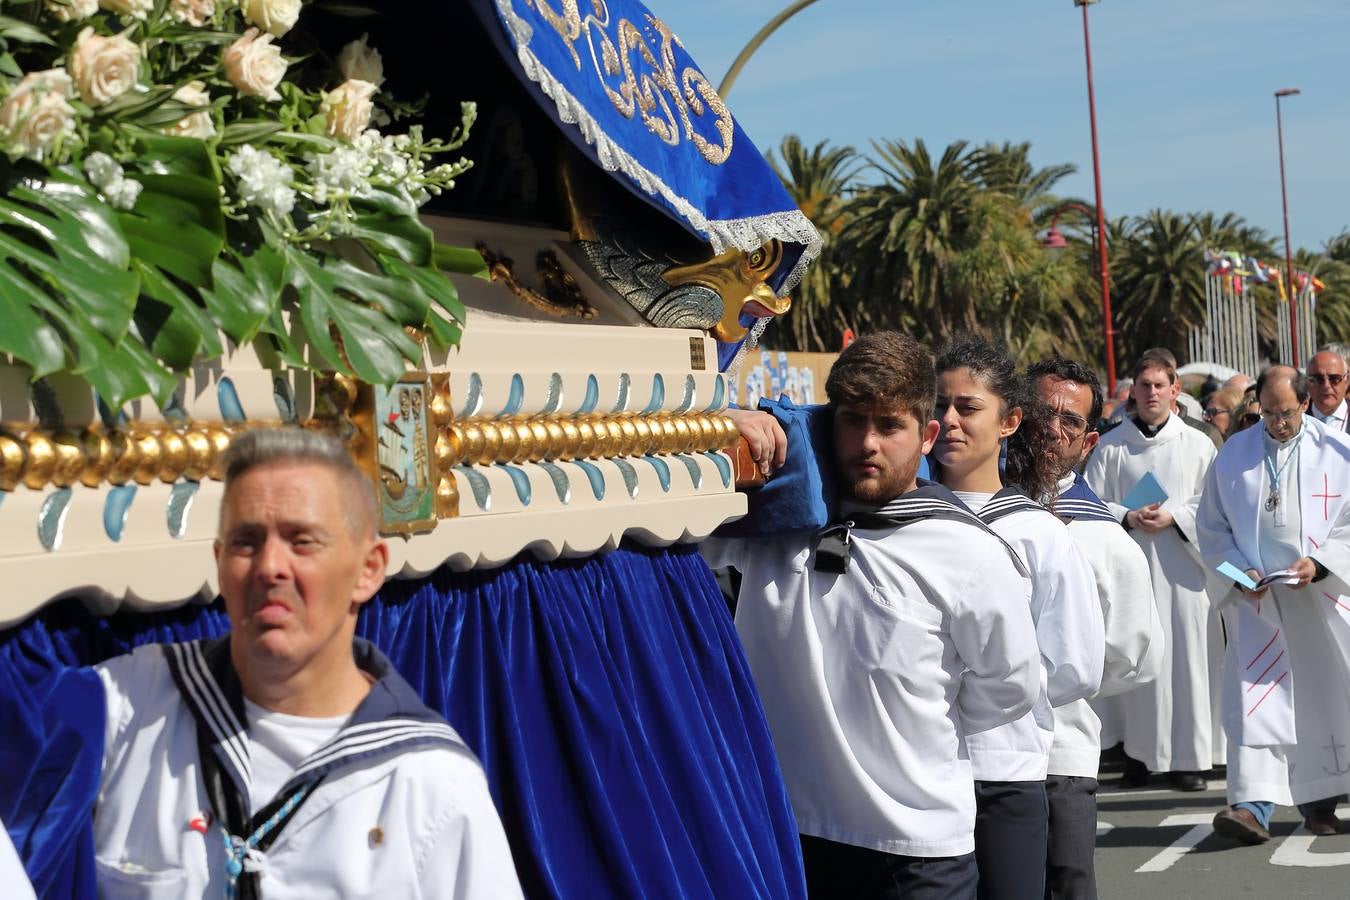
1159	277
817	180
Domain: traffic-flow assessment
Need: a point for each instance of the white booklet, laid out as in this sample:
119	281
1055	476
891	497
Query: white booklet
1284	576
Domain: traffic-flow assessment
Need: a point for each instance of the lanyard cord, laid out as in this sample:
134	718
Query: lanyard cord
1275	476
240	850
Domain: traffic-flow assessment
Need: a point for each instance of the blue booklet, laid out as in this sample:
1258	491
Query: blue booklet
1146	492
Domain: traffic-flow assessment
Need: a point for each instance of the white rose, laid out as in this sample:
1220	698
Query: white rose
347	108
197	124
194	12
72	10
276	17
254	65
36	114
104	68
361	61
136	9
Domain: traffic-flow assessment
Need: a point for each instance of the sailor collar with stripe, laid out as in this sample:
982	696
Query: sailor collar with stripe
1007	501
391	719
1079	503
929	500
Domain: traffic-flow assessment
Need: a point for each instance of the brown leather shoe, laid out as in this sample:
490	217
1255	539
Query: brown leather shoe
1241	826
1323	823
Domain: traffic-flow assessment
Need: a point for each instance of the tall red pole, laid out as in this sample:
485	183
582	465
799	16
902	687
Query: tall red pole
1291	289
1109	326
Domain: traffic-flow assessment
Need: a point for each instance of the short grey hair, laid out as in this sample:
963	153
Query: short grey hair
263	446
1341	350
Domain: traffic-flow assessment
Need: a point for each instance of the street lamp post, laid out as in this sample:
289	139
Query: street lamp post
1102	265
1291	290
760	37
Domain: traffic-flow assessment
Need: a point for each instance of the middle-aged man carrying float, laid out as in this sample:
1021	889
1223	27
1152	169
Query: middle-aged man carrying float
1327	382
880	644
1168	725
1134	636
1275	501
289	759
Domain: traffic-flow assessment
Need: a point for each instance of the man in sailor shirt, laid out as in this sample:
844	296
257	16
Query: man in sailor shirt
289	759
1134	633
1326	378
880	644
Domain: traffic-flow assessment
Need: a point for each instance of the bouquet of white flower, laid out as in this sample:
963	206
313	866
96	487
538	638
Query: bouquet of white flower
169	175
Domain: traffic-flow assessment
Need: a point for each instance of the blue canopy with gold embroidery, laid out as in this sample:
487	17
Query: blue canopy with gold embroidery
625	91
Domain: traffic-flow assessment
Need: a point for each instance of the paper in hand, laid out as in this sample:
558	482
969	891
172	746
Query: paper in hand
1284	576
1146	492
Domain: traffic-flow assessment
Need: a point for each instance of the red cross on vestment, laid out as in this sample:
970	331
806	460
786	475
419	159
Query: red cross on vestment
1326	497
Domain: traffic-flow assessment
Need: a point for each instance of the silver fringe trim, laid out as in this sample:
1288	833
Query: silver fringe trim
744	234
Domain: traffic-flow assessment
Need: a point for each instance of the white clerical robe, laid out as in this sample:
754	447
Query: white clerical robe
1289	659
1170	725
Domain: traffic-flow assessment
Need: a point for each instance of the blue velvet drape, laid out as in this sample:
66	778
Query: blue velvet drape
607	697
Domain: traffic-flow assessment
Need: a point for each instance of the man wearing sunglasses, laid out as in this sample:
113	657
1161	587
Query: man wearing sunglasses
1326	377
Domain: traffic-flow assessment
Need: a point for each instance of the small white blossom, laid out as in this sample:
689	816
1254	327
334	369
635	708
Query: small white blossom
263	181
341	172
122	192
102	169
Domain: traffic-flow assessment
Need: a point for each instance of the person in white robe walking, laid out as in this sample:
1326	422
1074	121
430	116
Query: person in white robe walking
1134	635
1274	501
984	405
883	644
1170	725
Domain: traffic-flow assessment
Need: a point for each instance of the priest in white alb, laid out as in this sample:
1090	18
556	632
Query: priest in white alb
1275	505
1169	725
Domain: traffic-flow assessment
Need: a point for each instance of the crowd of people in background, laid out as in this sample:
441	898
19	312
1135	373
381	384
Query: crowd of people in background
1170	571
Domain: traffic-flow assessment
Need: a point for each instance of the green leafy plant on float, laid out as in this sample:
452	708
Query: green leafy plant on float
169	175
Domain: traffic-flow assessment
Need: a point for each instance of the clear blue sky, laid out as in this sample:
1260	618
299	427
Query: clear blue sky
1184	90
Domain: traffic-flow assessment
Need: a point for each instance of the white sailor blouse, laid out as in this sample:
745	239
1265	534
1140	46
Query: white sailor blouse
395	805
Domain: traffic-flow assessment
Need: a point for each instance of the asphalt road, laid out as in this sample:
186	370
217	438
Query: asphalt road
1157	844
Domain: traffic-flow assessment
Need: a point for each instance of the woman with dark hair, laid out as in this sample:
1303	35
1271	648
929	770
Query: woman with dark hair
986	410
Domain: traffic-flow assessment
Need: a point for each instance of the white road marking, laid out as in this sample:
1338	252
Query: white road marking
1204	827
1103	828
1296	850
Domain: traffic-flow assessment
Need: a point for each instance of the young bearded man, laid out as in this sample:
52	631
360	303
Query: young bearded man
1169	726
879	644
1134	637
289	759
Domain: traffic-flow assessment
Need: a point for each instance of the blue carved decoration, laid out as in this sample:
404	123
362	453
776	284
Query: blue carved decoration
662	472
625	385
116	508
52	518
695	471
592	396
723	466
594	476
688	401
473	397
561	483
658	395
719	395
284	399
555	394
231	410
630	478
180	503
516	399
521	481
481	487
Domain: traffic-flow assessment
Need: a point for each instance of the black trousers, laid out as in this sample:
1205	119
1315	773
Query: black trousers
1011	833
837	871
1069	872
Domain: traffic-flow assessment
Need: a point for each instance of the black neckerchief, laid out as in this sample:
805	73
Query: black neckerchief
929	500
1080	503
390	720
1149	431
